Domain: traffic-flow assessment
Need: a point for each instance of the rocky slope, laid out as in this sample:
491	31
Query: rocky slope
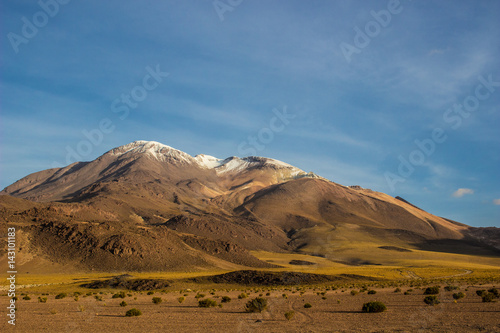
148	206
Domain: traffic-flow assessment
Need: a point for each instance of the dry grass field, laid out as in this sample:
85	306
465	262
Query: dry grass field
335	311
333	307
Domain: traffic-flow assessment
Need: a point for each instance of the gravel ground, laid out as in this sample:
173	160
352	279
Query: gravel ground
339	312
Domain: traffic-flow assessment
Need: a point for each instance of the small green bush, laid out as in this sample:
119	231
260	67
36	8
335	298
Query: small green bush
431	300
61	296
207	303
123	304
481	293
225	299
488	297
42	299
157	300
495	292
180	299
397	290
432	290
242	295
458	295
26	298
354	292
450	288
307	305
289	315
150	293
373	307
199	296
133	312
258	304
98	298
121	294
371	292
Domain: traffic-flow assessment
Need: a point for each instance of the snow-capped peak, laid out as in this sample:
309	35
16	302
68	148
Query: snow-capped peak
232	164
154	149
208	161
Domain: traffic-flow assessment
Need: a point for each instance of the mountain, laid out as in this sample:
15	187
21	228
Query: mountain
147	206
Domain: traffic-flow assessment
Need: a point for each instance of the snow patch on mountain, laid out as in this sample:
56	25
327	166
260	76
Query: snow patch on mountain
154	149
208	161
232	164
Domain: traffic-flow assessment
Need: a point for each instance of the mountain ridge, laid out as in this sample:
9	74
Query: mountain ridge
148	206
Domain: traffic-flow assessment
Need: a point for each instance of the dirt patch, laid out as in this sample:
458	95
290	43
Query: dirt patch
125	282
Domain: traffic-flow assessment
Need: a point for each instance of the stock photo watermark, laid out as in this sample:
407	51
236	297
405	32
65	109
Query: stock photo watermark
371	30
454	117
265	135
11	272
31	27
223	6
121	106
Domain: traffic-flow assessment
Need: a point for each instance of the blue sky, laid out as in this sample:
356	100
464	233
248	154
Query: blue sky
360	91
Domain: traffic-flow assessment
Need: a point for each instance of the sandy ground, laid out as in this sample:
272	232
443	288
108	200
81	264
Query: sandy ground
340	312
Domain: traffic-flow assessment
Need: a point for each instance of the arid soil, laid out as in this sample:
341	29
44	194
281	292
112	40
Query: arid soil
339	312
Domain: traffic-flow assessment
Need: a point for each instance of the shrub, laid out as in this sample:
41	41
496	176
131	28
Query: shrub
458	295
431	291
121	294
488	297
289	315
26	298
53	311
157	300
61	296
431	300
354	292
268	294
199	296
284	295
180	299
258	304
374	307
371	292
495	292
307	305
242	295
225	299
481	293
42	299
397	290
133	312
123	303
76	298
150	292
98	298
450	288
207	303
81	308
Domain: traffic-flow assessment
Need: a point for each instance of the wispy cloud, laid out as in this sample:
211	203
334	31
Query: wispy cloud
461	192
496	202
